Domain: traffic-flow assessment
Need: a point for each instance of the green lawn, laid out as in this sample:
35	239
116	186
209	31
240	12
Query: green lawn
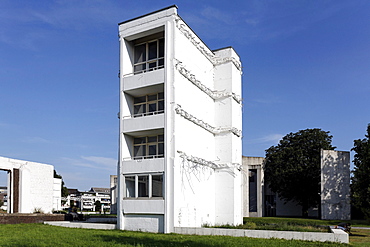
45	235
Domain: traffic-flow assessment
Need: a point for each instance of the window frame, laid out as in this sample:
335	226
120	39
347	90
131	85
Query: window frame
147	104
136	187
147	144
158	60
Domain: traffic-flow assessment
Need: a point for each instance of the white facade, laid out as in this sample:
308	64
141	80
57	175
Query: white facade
30	186
180	127
335	189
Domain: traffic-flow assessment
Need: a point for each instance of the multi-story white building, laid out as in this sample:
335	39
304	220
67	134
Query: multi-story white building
180	127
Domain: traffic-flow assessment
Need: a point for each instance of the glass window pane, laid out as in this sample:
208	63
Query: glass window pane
152	107
160	138
152	139
157	186
152	97
152	65
152	50
140	67
141	99
130	186
160	62
140	53
160	105
161	48
139	109
160	95
160	149
139	151
152	150
139	140
143	186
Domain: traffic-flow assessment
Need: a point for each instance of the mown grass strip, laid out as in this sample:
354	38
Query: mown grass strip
45	235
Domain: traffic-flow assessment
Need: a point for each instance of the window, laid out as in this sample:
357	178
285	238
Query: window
149	56
144	185
149	147
149	104
130	186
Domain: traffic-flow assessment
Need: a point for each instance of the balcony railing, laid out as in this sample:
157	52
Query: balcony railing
144	157
144	114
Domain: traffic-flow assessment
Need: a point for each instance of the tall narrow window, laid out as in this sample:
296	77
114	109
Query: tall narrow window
149	56
149	147
130	186
149	104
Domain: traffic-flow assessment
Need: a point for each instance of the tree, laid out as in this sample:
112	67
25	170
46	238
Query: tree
292	168
64	188
97	206
361	174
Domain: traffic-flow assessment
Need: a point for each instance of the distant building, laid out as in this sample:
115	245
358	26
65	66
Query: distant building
30	186
86	201
113	194
335	190
180	127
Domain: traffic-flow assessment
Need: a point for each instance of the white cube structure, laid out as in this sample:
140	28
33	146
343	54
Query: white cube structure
31	186
180	127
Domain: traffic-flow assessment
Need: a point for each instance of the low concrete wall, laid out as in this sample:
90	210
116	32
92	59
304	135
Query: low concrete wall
337	235
29	218
81	225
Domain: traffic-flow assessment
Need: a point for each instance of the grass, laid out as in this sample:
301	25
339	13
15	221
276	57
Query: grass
35	235
360	237
280	224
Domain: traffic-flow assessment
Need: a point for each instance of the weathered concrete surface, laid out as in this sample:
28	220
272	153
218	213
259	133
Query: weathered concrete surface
335	189
81	225
337	235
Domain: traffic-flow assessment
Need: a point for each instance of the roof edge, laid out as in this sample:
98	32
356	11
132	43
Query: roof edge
169	7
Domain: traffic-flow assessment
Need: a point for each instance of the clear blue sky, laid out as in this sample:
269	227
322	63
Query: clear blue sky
306	65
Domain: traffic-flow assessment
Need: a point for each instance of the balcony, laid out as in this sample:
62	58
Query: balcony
143	122
132	83
130	165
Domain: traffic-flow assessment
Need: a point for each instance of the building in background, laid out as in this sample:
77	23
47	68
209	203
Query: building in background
180	127
113	194
31	186
87	201
259	200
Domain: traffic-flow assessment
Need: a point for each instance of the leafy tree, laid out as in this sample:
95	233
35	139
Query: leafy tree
361	174
292	168
64	188
97	206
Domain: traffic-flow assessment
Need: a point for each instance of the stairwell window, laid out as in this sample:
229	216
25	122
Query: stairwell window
149	147
149	55
149	104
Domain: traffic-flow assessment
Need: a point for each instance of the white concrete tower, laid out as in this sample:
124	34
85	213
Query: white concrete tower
180	127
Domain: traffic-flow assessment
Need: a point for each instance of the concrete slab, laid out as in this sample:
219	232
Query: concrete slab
81	225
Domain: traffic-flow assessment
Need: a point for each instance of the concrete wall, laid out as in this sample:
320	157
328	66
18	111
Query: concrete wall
254	191
35	186
201	167
335	181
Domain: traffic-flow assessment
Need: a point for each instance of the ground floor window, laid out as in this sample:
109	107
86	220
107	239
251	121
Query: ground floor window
144	185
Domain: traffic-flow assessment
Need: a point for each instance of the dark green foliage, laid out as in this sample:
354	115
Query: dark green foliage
361	174
64	188
292	168
97	206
